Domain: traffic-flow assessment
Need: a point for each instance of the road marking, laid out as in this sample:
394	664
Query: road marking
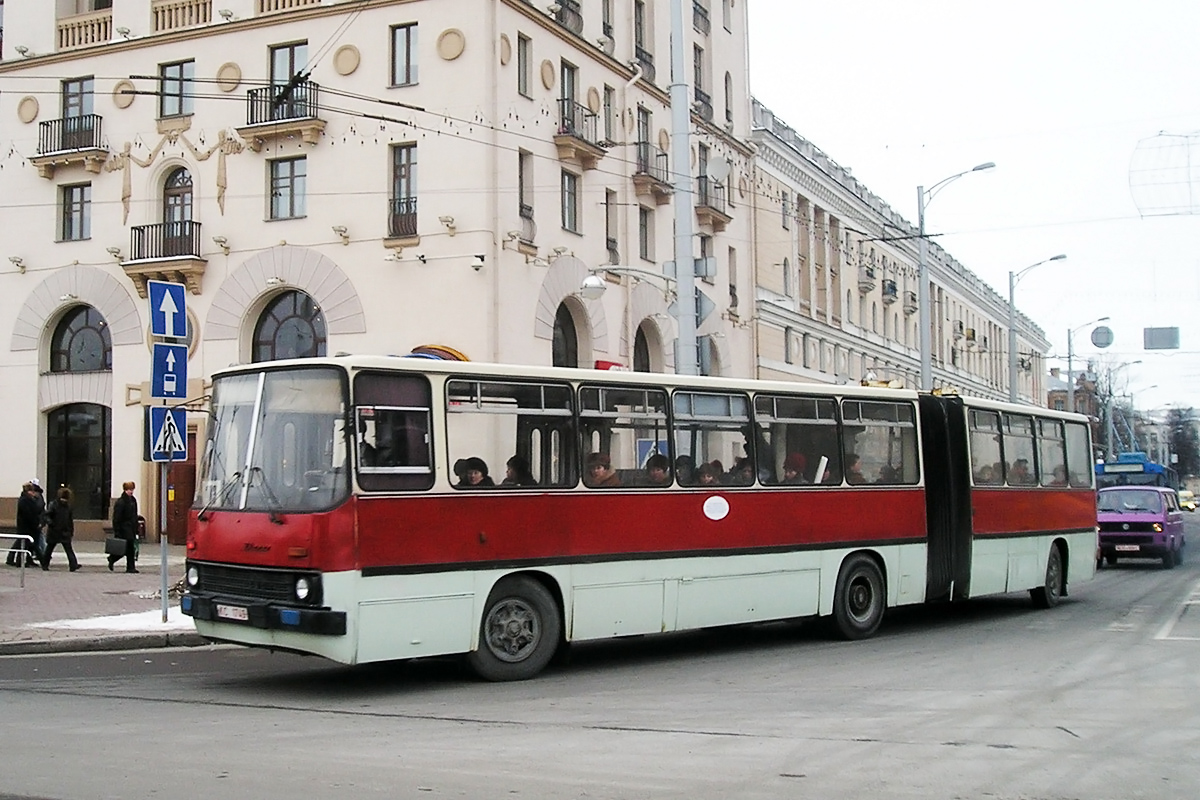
1164	633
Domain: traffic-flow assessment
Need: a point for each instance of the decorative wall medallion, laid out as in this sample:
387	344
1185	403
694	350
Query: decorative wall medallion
505	50
548	74
229	76
664	140
27	109
122	94
451	43
346	59
593	97
743	186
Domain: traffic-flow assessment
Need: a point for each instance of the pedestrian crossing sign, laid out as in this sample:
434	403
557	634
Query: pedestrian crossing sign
167	435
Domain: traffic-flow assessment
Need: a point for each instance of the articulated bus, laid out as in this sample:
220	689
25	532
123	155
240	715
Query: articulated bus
379	508
1135	469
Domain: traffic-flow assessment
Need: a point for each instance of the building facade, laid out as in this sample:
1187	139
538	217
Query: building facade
836	287
345	175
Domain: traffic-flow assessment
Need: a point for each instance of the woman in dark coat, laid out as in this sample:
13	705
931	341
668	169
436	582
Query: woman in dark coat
29	519
60	529
125	525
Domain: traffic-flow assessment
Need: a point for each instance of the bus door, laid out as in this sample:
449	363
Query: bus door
947	497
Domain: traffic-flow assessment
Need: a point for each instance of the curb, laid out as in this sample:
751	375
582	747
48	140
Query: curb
108	642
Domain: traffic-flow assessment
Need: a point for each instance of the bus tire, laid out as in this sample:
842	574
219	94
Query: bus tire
859	599
1048	595
519	632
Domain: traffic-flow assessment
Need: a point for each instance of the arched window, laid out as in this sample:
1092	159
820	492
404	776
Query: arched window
81	342
78	438
291	326
177	213
641	351
566	338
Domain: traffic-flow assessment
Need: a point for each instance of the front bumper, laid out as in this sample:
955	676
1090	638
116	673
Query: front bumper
1118	549
268	616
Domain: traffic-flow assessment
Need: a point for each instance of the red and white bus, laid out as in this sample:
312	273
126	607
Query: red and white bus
336	512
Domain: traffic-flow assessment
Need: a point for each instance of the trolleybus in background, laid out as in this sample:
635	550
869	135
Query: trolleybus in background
1135	469
336	512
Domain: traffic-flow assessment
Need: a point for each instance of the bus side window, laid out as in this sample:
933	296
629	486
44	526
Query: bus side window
1080	469
624	434
987	461
792	434
714	430
1019	450
883	437
392	440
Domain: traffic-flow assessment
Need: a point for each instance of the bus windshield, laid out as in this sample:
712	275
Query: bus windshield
277	442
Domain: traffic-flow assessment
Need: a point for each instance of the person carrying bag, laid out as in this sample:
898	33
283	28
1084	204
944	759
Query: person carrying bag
125	528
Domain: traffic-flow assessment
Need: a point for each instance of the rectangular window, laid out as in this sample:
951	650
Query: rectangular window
639	24
1018	450
987	464
288	178
1080	470
76	213
606	17
569	77
645	233
175	89
785	207
513	435
1052	453
393	420
798	437
727	14
78	125
624	432
525	187
733	279
881	442
404	54
698	81
610	218
287	62
570	201
404	191
610	113
711	434
524	65
789	337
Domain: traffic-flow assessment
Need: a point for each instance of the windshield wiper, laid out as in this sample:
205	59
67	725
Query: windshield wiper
222	494
267	493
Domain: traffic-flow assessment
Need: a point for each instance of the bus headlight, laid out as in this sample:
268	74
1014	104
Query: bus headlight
193	577
303	587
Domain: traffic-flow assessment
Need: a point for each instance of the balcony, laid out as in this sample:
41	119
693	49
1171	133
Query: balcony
528	230
402	221
866	279
576	139
569	16
614	251
710	204
277	6
167	251
700	18
651	177
890	295
703	104
282	112
959	330
172	15
645	60
68	141
910	303
85	30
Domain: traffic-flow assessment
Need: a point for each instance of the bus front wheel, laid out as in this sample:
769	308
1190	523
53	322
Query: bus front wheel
519	632
858	601
1048	595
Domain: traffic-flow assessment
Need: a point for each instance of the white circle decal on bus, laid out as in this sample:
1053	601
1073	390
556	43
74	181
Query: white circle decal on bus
716	508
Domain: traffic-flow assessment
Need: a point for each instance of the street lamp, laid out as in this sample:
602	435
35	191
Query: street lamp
924	197
1013	278
1071	356
594	286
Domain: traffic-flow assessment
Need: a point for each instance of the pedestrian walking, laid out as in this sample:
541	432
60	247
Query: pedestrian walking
60	529
125	526
29	519
40	497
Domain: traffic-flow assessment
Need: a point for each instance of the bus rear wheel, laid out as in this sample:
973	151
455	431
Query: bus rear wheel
519	632
1048	595
858	600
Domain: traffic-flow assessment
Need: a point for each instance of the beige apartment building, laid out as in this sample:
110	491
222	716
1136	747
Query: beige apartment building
836	285
345	175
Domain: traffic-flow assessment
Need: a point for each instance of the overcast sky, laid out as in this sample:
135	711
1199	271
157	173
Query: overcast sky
1069	98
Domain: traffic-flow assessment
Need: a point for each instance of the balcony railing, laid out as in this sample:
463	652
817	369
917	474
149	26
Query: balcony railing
645	60
170	15
710	194
700	19
704	104
164	240
274	6
653	162
866	278
69	133
576	120
277	103
402	217
569	15
85	30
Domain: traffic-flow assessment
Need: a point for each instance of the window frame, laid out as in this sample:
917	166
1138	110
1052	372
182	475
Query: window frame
176	91
570	191
403	37
75	212
296	183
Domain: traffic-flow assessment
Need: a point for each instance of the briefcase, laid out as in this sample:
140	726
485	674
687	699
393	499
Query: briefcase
114	546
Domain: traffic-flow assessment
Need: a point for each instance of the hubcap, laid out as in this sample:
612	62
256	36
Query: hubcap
861	594
513	630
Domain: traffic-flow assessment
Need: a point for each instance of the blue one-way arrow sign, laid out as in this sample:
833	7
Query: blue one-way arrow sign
167	309
168	434
168	371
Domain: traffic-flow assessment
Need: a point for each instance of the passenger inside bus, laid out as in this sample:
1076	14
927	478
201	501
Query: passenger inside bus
742	473
708	475
475	474
367	455
685	470
1019	475
598	471
793	469
854	469
517	473
658	470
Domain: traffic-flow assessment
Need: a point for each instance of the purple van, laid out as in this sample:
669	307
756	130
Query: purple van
1140	522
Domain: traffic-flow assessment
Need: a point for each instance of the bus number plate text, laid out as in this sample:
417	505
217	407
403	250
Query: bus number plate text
233	612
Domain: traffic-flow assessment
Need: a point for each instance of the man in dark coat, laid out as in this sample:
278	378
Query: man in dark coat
60	529
125	525
29	520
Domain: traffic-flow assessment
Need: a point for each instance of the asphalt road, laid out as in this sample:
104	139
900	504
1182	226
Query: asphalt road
1098	698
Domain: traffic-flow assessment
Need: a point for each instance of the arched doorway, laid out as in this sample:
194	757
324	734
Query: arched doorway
565	347
177	213
291	326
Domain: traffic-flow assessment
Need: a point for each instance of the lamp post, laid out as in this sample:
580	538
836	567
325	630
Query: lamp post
1070	358
924	197
1013	278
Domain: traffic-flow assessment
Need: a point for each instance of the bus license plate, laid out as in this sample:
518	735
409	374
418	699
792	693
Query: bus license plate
233	612
1127	548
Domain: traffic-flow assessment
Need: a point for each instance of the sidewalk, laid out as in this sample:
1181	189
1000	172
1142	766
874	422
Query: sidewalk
92	609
